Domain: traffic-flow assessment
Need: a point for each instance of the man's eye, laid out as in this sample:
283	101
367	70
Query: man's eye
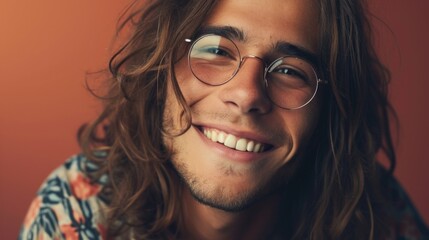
289	71
288	77
217	51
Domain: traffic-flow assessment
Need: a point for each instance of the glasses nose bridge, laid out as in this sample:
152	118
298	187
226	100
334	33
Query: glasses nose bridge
244	58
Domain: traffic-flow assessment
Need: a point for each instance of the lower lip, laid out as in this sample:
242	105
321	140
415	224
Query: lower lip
229	153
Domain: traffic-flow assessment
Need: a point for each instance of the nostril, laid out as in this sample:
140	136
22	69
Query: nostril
254	110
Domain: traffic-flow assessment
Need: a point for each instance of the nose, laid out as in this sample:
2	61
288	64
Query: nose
246	93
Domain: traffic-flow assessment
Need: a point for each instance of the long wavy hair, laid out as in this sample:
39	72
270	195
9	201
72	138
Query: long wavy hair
335	190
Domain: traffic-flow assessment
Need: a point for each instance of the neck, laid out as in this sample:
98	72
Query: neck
204	222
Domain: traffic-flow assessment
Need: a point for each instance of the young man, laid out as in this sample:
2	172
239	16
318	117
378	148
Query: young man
235	120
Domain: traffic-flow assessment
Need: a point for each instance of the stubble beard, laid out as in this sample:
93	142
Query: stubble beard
223	196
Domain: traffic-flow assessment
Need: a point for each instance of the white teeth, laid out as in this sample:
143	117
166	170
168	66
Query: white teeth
257	147
231	141
214	136
250	146
241	144
221	137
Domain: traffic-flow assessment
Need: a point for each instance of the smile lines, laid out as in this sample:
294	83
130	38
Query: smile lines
234	142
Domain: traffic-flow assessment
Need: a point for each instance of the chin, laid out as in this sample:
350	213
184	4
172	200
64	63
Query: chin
228	200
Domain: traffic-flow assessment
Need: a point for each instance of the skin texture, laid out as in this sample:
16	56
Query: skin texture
229	187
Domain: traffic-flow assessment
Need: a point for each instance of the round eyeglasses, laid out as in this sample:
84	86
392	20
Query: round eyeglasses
291	82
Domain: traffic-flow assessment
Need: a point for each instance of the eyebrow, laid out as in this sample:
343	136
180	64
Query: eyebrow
230	32
287	48
282	47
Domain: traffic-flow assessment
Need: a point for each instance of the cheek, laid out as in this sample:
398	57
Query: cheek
174	121
184	78
301	123
182	71
193	90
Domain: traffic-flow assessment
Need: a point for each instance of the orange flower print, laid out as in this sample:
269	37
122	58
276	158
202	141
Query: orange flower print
78	217
32	212
82	187
69	232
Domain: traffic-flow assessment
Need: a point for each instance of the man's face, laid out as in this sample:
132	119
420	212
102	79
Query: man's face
218	174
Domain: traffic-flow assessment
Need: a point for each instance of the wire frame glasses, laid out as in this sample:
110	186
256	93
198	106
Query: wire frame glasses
290	82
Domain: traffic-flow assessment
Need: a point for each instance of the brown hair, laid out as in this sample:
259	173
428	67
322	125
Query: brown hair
335	192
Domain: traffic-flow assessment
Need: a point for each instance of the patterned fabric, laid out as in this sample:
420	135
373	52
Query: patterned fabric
68	206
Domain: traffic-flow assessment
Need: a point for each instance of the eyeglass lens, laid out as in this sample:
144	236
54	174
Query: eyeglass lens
291	82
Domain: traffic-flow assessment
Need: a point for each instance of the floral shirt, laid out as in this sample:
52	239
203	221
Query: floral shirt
68	206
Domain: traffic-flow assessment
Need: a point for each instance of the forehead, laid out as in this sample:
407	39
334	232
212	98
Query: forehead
265	22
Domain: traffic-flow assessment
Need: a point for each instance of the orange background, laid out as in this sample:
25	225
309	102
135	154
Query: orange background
47	46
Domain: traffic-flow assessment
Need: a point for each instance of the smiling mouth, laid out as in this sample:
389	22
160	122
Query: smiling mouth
234	142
